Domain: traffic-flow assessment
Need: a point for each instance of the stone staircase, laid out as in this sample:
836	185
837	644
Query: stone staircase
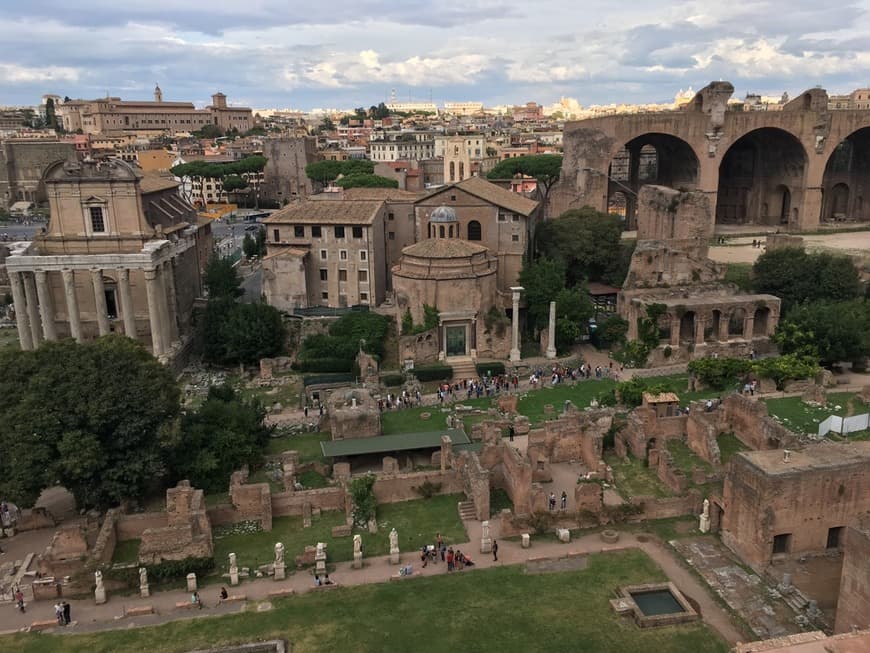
467	511
463	367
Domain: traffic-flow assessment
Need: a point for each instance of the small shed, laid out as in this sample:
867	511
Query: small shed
665	404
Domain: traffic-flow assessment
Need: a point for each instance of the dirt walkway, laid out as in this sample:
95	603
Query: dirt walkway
88	617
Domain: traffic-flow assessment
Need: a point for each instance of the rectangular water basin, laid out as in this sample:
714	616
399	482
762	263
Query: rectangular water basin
655	604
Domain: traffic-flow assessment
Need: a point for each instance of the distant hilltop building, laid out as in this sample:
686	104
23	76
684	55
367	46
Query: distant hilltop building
412	107
114	115
463	108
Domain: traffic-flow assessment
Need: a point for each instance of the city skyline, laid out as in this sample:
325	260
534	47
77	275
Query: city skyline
269	54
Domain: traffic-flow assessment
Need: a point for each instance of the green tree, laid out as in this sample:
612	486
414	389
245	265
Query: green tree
573	310
99	418
208	131
545	168
542	281
587	243
233	183
831	331
241	333
363	180
796	276
225	433
365	503
326	125
249	246
50	114
221	278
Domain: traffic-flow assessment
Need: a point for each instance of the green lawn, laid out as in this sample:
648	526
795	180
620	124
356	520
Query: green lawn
307	445
802	418
678	383
407	420
499	500
739	274
633	478
686	459
502	609
728	446
581	394
126	551
416	522
312	480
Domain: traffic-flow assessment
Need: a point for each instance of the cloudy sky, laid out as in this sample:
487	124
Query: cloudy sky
286	53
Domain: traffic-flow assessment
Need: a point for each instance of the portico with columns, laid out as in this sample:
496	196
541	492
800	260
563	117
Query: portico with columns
116	252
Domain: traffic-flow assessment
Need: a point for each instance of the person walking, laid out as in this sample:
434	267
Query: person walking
552	501
66	613
196	600
58	613
511	432
564	500
224	595
19	600
495	551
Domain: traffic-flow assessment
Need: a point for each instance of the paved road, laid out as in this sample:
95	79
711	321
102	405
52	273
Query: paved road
13	231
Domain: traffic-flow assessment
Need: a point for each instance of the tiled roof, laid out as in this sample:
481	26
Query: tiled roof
493	194
154	183
443	248
380	194
327	212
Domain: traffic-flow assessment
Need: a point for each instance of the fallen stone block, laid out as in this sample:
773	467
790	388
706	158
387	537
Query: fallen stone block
563	534
43	625
185	605
276	594
140	611
236	598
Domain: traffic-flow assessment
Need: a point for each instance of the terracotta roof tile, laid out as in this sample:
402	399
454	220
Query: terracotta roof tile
327	212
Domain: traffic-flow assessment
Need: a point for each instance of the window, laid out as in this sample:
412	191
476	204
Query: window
315	231
98	223
364	297
453	198
364	276
276	235
390	216
363	255
342	275
515	217
835	536
781	543
441	231
339	232
357	232
324	274
112	307
342	254
322	254
474	231
502	217
391	235
324	295
299	231
515	238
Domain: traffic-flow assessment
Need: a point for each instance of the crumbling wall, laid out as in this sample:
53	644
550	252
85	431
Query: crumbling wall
751	424
104	548
392	488
701	433
475	481
253	502
66	553
420	347
669	474
188	530
575	435
131	527
853	604
512	472
291	503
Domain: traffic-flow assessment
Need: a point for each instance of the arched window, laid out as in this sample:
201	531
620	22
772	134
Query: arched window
461	170
474	231
430	230
450	231
452	171
441	231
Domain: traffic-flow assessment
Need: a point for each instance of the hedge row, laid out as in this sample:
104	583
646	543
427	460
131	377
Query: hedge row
495	368
163	572
392	380
323	365
434	373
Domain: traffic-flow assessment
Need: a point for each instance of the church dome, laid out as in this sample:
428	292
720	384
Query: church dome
443	214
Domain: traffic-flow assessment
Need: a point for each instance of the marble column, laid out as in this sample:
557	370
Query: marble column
675	331
171	299
21	319
100	301
551	332
72	304
163	306
127	310
748	327
46	305
152	290
32	308
723	327
515	324
699	330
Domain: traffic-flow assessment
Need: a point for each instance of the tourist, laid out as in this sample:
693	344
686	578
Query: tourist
424	556
709	405
439	546
450	559
58	613
66	613
194	598
494	551
224	595
317	582
443	552
511	432
552	501
326	580
306	410
19	600
564	500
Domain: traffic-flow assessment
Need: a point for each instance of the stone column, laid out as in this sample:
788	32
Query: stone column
551	332
127	310
100	301
72	304
163	308
748	326
171	299
152	290
32	308
21	320
675	331
723	327
699	330
46	305
515	324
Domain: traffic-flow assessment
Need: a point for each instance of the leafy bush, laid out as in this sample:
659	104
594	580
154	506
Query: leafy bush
633	354
720	373
491	369
496	321
433	372
428	489
430	321
317	379
323	365
784	368
364	502
392	380
163	572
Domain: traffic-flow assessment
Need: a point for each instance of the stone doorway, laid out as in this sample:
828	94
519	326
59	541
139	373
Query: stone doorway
456	340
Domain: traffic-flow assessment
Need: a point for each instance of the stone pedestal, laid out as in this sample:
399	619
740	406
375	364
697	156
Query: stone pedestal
191	582
486	545
320	566
704	524
100	595
280	572
144	591
234	576
527	540
320	558
563	534
357	560
373	526
394	556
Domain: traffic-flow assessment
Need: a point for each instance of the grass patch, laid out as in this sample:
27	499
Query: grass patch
739	274
803	418
499	500
728	446
312	480
407	420
678	384
307	445
484	616
686	459
633	478
126	552
212	500
581	394
416	522
265	476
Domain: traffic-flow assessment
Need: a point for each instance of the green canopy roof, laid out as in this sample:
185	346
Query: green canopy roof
389	443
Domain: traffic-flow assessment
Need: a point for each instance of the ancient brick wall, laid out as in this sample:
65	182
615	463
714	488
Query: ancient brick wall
576	435
33	519
669	474
701	432
821	487
751	424
853	604
104	547
392	488
253	502
475	480
290	503
131	527
420	347
668	507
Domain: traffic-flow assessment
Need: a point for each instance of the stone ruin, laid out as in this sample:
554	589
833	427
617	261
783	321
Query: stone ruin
353	413
187	533
670	267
